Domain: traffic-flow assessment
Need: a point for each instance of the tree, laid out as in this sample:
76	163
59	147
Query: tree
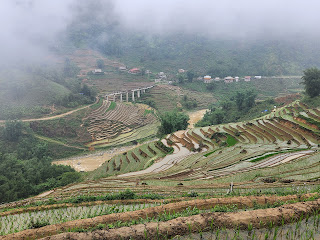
13	130
240	98
190	75
173	121
100	63
311	81
180	78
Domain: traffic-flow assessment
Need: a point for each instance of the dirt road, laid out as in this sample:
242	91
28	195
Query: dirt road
52	117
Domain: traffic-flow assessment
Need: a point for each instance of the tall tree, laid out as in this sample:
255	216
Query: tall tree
100	63
13	130
190	75
311	81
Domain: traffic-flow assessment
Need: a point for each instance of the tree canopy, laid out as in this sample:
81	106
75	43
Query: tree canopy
311	81
173	121
25	165
230	110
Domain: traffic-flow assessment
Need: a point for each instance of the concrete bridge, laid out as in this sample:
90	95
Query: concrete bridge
129	94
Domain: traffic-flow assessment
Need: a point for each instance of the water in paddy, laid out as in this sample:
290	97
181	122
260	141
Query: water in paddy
306	229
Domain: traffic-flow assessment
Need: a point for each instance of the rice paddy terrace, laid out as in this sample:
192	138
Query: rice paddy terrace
115	122
276	154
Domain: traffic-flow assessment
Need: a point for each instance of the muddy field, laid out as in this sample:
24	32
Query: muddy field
93	161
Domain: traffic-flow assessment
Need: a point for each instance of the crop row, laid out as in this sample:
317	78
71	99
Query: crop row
19	222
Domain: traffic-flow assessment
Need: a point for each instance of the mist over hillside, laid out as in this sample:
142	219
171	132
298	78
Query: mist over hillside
228	32
209	37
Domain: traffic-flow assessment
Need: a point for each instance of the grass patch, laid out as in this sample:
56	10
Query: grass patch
97	105
272	154
208	154
148	111
112	106
231	141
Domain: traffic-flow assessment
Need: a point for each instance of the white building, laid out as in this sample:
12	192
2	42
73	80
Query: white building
207	79
228	79
97	71
247	78
257	77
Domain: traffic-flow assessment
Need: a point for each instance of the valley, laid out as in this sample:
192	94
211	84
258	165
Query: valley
159	120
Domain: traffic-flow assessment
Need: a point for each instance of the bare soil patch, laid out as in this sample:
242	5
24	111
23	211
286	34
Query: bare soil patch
93	161
195	117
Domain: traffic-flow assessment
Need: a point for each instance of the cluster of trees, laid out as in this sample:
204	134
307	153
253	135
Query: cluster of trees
172	121
230	110
188	103
311	81
25	165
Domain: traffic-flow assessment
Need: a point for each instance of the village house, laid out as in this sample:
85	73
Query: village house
257	77
199	79
236	79
247	78
161	75
97	71
122	69
228	79
217	79
207	79
135	71
181	70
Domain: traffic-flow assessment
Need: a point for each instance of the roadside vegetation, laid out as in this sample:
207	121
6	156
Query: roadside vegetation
25	164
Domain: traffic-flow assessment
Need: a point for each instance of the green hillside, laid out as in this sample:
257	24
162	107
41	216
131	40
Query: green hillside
30	92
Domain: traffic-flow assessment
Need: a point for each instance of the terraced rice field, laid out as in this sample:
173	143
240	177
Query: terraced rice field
115	120
275	154
246	153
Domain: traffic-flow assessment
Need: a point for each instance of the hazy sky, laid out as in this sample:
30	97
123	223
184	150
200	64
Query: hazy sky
243	18
29	26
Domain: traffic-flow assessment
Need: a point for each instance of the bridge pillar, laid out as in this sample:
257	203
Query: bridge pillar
114	97
132	95
127	93
120	97
144	90
138	93
107	98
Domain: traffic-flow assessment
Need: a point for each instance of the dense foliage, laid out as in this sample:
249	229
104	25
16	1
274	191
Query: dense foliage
173	121
230	110
25	165
311	81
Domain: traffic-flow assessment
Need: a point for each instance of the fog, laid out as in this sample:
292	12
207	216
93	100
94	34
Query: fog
30	27
222	19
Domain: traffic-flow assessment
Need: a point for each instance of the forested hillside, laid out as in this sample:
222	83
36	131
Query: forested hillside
200	53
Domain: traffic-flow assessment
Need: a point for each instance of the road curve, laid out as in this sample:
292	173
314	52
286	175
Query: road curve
53	117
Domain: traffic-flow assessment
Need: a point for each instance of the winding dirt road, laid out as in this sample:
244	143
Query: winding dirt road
55	116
